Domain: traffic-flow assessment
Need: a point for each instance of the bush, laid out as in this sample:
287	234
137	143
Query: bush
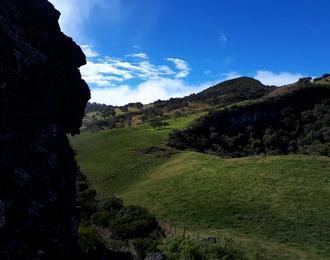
145	246
102	218
89	240
112	204
86	199
133	222
177	248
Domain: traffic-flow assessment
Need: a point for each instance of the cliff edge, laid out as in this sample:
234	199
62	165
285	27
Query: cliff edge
42	98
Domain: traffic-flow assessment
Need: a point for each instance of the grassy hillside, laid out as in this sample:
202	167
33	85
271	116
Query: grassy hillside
277	198
115	159
278	204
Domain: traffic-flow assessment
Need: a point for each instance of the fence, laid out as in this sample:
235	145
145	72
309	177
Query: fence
181	231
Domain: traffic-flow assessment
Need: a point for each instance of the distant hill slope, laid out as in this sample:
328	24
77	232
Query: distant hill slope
218	96
234	90
295	121
325	79
222	94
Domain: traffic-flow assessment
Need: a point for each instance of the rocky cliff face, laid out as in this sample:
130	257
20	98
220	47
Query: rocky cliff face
42	98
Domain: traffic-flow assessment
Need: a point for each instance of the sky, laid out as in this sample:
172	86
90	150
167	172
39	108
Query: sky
145	50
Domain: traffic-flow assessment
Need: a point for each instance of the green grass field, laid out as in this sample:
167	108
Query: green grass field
278	204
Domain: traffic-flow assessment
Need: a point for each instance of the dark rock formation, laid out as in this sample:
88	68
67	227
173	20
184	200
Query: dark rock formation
42	98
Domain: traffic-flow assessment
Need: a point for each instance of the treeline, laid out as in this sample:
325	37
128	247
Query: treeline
297	122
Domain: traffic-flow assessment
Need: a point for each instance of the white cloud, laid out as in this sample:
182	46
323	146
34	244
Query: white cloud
74	15
108	71
207	72
146	92
139	55
89	52
277	79
182	66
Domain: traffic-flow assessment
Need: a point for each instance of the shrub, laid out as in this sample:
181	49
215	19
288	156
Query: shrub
177	248
112	204
102	218
89	240
133	222
145	246
86	198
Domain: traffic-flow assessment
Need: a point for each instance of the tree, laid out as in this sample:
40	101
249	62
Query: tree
165	124
155	123
108	112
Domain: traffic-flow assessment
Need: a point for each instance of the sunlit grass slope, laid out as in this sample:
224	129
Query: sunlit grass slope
114	160
281	200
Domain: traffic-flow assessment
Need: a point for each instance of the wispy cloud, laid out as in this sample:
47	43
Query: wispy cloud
89	52
138	55
223	39
108	71
277	79
182	66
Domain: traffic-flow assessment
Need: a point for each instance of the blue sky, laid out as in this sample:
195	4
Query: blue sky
144	50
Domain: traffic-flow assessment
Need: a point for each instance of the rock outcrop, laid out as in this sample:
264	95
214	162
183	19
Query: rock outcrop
42	98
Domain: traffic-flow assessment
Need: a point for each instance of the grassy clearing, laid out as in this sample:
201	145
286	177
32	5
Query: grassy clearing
278	205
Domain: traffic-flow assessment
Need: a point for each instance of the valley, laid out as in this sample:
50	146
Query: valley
277	203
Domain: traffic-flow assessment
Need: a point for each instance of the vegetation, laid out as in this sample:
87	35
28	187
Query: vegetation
120	157
177	248
157	123
296	122
86	199
263	197
101	116
269	201
271	206
325	79
124	223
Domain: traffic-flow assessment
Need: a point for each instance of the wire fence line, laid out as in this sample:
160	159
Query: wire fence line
182	231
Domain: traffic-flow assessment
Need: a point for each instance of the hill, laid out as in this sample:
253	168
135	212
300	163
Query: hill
270	206
223	94
100	116
233	91
265	204
325	79
292	121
